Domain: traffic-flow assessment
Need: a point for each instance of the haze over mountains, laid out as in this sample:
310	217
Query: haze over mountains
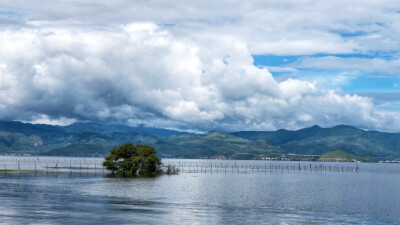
96	138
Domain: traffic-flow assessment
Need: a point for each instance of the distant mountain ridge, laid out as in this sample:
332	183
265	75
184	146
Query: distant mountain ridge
216	144
91	138
75	139
317	140
77	128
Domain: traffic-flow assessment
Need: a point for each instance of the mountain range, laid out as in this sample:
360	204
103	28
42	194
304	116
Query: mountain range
98	138
316	140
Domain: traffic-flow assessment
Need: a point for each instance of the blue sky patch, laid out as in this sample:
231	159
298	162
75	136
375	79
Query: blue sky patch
350	81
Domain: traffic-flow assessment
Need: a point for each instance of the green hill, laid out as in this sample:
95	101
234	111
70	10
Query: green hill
316	140
79	128
75	139
114	128
215	145
341	156
68	144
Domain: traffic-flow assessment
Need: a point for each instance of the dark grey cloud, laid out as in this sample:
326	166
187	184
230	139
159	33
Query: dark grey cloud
281	27
9	22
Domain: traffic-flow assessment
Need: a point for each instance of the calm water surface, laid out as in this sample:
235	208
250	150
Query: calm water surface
369	197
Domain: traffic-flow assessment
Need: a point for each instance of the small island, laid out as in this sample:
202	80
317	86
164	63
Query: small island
130	160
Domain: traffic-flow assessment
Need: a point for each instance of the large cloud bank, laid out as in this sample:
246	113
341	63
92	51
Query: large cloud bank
140	73
285	27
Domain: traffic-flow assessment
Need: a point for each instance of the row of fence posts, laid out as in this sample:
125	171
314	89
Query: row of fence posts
48	170
245	168
210	168
32	160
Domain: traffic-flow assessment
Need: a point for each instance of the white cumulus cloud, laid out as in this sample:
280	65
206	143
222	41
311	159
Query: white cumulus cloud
141	73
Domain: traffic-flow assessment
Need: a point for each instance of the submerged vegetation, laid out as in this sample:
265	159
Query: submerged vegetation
130	160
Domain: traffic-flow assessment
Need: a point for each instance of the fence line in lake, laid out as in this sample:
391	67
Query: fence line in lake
93	167
262	168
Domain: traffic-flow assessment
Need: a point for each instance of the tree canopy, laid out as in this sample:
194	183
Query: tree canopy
130	160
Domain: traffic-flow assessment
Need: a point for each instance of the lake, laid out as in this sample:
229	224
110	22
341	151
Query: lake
371	196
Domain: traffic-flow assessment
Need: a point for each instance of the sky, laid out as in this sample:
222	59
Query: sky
202	65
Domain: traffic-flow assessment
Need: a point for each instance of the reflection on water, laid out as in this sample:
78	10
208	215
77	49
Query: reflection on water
369	197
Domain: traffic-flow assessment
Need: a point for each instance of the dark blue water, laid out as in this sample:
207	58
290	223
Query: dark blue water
371	196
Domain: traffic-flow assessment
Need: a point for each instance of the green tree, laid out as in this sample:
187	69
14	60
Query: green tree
130	160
